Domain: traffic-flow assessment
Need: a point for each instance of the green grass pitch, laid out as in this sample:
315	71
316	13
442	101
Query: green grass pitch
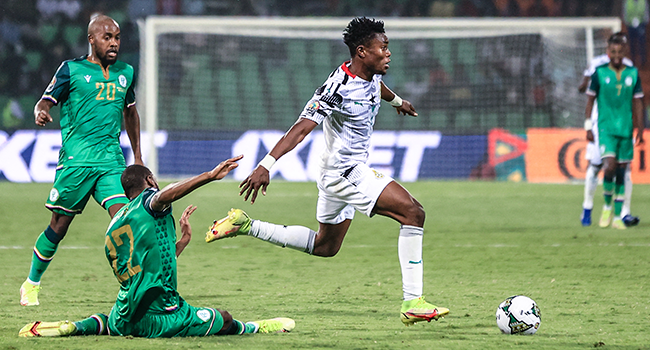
483	242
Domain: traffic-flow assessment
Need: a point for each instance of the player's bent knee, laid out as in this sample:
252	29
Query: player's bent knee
227	323
415	215
326	250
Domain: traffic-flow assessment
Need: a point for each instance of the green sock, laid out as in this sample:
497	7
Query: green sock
93	325
619	191
608	190
44	250
249	328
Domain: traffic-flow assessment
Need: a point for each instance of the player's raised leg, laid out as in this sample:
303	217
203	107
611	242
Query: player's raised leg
239	223
44	249
396	202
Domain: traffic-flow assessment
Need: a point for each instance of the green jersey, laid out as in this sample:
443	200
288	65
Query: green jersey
92	101
140	247
614	92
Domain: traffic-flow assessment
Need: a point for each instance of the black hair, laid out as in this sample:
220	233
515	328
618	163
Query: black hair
617	38
360	31
134	179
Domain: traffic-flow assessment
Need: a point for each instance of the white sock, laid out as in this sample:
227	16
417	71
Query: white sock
296	237
33	283
628	192
409	249
591	183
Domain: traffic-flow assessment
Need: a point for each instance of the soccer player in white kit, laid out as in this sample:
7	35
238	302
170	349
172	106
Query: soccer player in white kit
346	105
592	154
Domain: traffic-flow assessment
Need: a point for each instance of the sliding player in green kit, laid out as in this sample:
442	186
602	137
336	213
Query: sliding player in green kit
617	88
141	248
95	92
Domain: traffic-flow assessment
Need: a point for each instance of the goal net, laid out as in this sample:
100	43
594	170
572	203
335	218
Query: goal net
210	83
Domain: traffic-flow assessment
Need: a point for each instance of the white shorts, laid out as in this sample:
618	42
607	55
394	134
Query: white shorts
341	192
593	152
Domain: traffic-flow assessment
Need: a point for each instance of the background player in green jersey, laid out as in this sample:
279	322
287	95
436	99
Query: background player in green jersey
96	93
617	88
141	248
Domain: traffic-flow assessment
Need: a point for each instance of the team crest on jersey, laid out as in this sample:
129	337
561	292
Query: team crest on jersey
51	86
377	174
628	81
122	80
204	315
54	195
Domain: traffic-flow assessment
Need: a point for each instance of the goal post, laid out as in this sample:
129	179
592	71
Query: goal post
204	74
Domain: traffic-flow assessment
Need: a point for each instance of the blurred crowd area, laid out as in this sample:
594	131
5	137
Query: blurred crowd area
37	35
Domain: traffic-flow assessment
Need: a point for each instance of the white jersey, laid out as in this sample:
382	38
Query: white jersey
599	61
595	63
348	106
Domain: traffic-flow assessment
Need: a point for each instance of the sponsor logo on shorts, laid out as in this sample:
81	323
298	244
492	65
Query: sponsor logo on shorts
51	86
628	81
54	195
204	315
377	174
122	80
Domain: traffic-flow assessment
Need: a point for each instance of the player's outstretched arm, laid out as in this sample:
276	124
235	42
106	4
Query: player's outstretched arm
402	106
42	112
186	230
259	178
178	190
132	126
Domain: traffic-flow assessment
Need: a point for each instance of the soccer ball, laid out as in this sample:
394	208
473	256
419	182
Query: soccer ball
519	315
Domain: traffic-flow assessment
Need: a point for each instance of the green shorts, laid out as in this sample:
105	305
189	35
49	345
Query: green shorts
186	321
73	186
621	148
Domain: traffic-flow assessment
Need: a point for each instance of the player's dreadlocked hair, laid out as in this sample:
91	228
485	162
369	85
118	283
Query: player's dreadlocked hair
617	38
360	31
134	178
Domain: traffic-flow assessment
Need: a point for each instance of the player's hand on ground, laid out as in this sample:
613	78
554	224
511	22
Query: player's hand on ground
406	108
590	136
42	117
221	170
258	179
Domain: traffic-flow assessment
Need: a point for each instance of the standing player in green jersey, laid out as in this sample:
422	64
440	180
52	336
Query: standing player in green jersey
96	92
141	248
617	88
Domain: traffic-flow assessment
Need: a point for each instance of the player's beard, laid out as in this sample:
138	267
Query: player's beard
104	59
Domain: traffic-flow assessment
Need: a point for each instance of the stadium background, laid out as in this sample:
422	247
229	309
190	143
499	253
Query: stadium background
490	107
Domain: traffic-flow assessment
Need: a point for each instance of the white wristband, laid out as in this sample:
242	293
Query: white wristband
396	102
267	162
588	124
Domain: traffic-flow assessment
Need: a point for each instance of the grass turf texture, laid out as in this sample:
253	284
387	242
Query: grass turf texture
483	242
